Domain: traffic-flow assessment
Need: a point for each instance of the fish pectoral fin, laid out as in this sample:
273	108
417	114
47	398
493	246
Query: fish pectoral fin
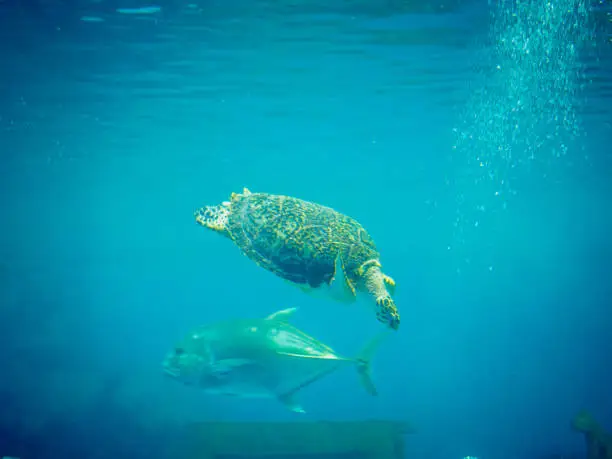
328	356
283	315
340	287
290	402
223	367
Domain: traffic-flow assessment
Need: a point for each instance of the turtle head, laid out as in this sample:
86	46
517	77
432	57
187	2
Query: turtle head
380	287
386	312
214	217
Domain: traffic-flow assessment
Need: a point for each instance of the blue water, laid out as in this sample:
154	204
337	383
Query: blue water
471	139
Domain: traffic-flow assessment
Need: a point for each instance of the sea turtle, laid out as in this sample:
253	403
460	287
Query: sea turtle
307	244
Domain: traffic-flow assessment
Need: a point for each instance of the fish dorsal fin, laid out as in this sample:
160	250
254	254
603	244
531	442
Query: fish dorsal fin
282	316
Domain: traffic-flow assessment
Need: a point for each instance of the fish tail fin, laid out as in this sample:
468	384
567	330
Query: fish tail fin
363	362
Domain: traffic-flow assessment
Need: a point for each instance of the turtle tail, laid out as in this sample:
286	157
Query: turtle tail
214	217
363	362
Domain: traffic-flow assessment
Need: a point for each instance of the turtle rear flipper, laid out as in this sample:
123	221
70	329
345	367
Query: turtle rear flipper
214	217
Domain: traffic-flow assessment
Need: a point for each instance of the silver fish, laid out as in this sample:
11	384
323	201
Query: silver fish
264	357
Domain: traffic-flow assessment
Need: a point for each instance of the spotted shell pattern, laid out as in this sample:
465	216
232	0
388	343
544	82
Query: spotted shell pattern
296	239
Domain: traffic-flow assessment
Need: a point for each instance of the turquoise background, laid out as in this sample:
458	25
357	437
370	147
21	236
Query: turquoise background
471	139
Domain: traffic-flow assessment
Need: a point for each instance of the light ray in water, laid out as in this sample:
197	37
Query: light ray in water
142	10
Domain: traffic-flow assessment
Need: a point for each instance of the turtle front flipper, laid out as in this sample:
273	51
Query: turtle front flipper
390	283
340	288
214	217
376	284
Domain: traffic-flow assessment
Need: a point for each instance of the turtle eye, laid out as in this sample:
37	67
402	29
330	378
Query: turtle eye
179	351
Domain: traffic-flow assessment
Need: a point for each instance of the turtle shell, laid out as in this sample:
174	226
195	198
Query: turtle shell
298	240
